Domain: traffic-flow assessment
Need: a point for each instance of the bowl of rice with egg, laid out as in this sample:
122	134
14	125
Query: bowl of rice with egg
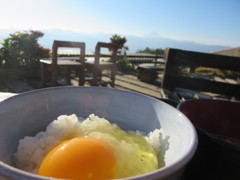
92	133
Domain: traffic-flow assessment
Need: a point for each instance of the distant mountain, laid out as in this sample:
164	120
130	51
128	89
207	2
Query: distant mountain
133	42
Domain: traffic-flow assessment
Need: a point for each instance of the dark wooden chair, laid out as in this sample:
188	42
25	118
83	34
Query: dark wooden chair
97	66
53	64
181	82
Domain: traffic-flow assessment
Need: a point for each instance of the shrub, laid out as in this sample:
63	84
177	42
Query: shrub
22	49
122	63
120	41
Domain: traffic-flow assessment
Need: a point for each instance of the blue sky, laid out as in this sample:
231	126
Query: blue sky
205	21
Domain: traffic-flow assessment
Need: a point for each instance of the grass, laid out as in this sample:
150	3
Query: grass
217	72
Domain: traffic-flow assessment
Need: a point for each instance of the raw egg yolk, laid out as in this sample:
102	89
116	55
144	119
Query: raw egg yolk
80	158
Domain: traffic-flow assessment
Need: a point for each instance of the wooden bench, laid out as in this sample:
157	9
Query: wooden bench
52	65
180	79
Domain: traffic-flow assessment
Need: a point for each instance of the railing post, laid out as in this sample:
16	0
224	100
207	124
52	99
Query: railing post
155	62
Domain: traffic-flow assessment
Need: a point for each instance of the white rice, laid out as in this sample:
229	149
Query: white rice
32	150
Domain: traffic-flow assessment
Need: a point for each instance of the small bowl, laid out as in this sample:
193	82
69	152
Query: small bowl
217	122
28	113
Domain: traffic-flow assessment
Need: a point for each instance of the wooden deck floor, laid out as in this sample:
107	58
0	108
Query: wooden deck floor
123	81
130	82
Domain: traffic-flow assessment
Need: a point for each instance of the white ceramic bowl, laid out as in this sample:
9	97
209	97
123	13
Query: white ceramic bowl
29	113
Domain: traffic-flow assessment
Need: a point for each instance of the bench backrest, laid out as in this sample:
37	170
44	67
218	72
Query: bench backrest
110	46
68	44
176	76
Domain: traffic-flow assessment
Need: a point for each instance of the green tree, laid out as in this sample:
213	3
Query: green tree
22	49
152	51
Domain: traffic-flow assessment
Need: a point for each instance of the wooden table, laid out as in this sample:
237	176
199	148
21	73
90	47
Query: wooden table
47	63
148	72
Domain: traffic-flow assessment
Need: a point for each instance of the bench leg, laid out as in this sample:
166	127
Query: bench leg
81	76
43	80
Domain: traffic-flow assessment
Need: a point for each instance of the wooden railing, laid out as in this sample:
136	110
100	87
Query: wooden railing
134	58
139	59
